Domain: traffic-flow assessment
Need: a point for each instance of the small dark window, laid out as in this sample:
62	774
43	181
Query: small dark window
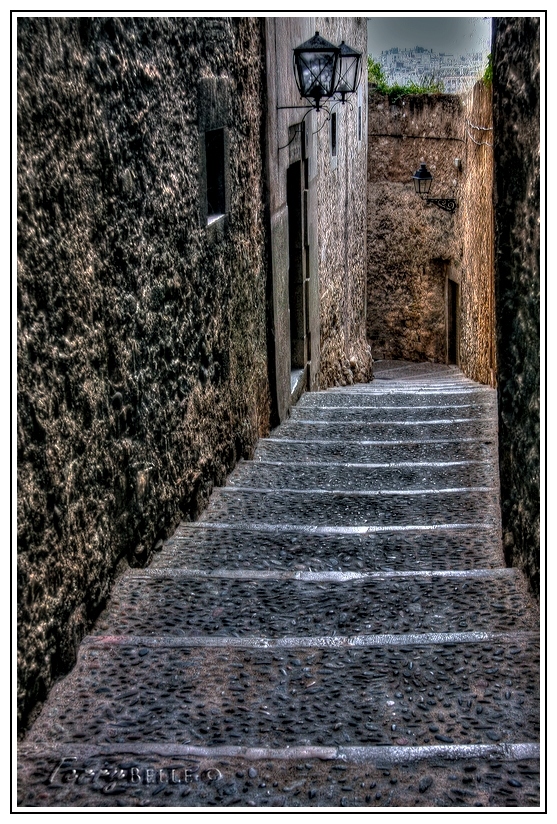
359	123
334	134
214	159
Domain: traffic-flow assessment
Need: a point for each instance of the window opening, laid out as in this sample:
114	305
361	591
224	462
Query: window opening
214	159
295	204
452	318
360	114
334	134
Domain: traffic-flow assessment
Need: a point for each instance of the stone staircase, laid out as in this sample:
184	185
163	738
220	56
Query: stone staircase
337	630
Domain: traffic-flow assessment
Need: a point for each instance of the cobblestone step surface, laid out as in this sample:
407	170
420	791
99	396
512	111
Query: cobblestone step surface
132	689
373	452
390	396
337	630
436	429
395	414
178	602
190	776
367	509
207	548
361	477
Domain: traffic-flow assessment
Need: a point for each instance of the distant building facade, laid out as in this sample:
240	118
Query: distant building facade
457	73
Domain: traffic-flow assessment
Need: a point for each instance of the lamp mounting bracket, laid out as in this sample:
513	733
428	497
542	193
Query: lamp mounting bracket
448	204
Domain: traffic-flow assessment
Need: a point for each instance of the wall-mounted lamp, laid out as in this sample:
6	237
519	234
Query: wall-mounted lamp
323	70
349	65
422	184
315	64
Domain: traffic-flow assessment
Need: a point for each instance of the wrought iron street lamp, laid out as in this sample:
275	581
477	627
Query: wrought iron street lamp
323	71
422	184
348	72
315	64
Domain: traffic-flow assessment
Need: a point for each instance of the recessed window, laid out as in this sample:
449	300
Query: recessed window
214	160
334	134
360	114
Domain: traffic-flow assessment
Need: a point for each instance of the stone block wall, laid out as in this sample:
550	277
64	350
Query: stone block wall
416	250
142	353
516	100
411	246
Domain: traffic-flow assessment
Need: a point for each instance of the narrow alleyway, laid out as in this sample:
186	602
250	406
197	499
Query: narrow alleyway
337	630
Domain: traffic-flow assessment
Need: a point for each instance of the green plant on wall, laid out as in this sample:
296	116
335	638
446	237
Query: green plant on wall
428	84
488	73
376	75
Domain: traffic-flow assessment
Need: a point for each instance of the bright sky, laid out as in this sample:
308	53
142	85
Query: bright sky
452	35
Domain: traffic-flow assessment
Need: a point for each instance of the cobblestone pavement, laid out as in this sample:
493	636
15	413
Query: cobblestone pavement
337	630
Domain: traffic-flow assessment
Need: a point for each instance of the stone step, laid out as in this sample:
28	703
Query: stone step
371	691
404	414
207	548
231	776
411	385
336	630
231	603
385	431
405	393
365	452
413	376
405	475
425	508
388	365
390	398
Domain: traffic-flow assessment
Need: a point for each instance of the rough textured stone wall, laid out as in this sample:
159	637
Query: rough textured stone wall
414	249
516	99
341	220
141	331
411	245
475	225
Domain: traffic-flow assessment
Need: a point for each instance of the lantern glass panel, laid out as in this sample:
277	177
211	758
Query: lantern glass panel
316	67
348	70
316	73
422	180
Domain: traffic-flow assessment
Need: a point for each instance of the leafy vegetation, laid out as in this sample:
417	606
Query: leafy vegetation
488	73
428	84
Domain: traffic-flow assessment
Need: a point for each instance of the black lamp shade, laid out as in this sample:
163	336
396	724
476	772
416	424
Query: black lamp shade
348	70
422	180
316	68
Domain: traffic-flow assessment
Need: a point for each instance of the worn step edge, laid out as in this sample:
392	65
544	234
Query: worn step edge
356	493
307	529
442	421
348	441
418	377
418	384
338	530
292	642
348	465
326	576
414	385
399	389
359	755
307	407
